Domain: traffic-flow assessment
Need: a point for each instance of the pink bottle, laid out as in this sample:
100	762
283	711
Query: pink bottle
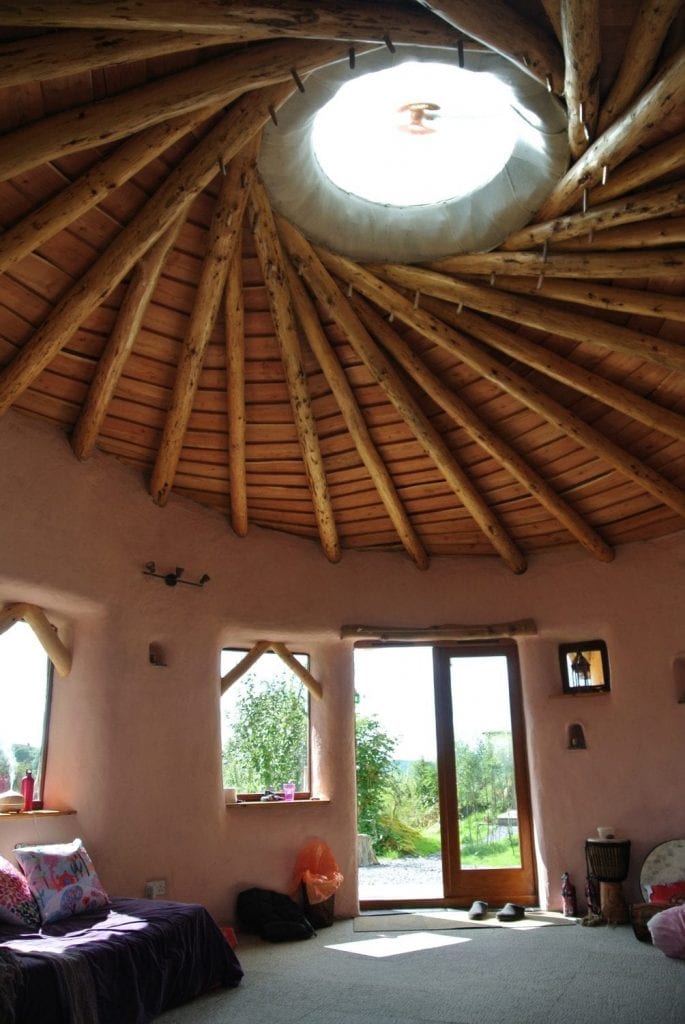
27	784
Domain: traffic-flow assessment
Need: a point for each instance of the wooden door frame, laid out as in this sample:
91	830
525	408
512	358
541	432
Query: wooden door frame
462	886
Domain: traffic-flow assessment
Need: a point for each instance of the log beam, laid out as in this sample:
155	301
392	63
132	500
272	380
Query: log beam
663	98
45	632
438	634
498	26
481	433
566	323
581	36
458	344
275	279
598	296
354	420
358	20
217	81
661	202
666	158
234	328
171	200
41	58
388	378
555	366
611	245
90	188
120	344
586	265
225	233
647	35
244	665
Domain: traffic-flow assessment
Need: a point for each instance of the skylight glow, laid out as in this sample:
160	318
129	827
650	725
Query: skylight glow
416	134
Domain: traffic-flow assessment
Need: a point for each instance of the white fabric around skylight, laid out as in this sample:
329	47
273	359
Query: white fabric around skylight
496	156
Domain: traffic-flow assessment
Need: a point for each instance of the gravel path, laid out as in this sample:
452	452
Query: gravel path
421	876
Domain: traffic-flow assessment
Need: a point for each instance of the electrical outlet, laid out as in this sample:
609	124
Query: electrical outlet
155	888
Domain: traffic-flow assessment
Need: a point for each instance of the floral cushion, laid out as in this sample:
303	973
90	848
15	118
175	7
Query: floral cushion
17	905
62	879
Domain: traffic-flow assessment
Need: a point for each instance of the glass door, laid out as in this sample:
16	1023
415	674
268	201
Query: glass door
484	788
442	781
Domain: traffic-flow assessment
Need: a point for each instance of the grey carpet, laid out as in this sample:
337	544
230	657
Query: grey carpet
443	920
484	976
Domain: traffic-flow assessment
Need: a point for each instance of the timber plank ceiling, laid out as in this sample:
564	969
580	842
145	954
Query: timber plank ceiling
155	306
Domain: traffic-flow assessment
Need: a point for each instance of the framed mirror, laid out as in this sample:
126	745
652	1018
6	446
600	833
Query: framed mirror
584	666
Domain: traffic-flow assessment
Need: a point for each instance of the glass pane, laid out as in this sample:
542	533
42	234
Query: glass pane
265	726
397	782
23	705
488	820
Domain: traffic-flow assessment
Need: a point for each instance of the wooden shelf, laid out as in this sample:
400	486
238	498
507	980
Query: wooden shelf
275	803
47	813
583	693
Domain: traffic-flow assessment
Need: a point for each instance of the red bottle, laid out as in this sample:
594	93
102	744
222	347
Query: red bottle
568	896
27	784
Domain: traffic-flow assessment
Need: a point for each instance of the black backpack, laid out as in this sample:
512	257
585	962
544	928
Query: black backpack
272	915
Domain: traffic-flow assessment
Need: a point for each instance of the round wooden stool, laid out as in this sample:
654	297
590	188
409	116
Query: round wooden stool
607	861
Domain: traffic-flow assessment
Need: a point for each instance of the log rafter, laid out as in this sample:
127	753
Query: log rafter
481	433
275	279
224	235
582	51
385	295
389	380
354	420
170	201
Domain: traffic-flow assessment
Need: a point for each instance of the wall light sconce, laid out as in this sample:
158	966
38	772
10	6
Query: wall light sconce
172	578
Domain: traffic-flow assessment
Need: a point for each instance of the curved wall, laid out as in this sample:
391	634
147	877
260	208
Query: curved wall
134	747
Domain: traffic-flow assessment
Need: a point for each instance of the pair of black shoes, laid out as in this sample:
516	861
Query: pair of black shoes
509	912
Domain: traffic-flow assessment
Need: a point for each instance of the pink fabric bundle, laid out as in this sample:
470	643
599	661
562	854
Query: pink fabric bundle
667	929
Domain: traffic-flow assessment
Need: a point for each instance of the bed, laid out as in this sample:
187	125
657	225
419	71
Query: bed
121	964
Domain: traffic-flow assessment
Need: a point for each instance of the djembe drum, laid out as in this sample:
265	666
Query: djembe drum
607	861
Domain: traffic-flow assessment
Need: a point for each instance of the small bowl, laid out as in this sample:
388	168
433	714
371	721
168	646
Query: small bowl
11	801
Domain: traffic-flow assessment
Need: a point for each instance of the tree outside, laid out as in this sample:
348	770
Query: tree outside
266	725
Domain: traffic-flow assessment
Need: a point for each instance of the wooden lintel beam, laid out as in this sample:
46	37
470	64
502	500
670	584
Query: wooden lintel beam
663	98
436	634
281	650
395	389
582	51
354	20
285	325
481	433
647	35
45	632
354	419
498	26
173	197
225	232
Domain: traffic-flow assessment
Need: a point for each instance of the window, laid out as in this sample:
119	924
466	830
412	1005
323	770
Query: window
265	727
25	687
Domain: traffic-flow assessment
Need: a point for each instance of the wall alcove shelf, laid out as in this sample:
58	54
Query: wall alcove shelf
42	813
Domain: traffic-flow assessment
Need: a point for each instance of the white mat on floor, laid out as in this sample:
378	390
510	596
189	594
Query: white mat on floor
444	920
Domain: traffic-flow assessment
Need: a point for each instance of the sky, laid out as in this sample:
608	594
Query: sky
396	685
23	674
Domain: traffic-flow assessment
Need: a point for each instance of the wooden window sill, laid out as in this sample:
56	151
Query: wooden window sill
276	803
43	813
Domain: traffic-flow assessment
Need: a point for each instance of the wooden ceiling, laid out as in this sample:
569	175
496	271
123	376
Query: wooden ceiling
154	305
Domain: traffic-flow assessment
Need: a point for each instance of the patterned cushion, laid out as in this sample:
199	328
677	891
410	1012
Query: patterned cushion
17	905
62	879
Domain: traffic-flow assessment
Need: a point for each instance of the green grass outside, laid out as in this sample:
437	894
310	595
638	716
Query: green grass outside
501	853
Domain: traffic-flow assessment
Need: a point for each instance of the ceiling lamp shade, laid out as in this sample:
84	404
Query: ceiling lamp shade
409	157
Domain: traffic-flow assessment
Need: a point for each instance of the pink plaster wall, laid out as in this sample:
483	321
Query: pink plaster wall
134	747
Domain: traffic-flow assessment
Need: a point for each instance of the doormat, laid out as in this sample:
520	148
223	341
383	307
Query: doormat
447	919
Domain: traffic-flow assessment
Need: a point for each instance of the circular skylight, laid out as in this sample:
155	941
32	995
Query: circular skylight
408	157
416	133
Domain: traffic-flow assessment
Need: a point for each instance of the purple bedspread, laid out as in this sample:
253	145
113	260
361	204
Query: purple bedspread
134	961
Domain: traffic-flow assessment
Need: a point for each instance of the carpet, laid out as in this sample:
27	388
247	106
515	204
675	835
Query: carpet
447	919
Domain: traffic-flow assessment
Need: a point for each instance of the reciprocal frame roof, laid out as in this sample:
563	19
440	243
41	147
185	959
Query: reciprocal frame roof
156	306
